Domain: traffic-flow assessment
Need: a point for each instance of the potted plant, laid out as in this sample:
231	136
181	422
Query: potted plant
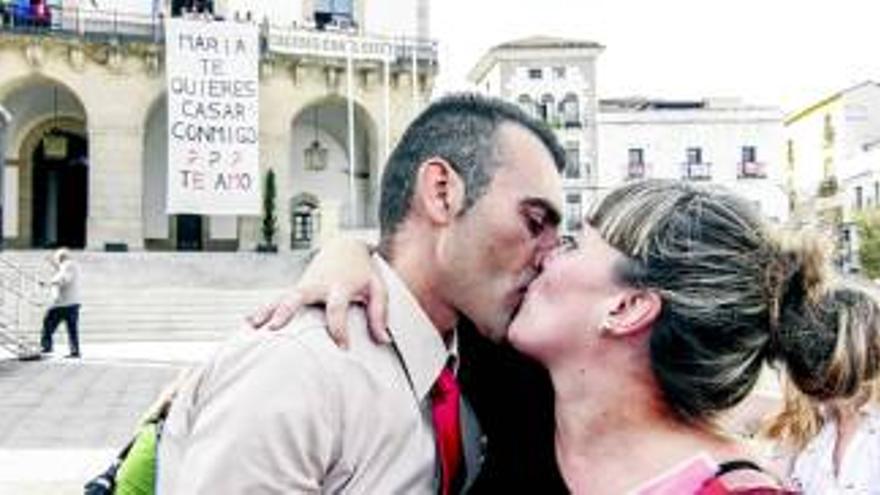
269	226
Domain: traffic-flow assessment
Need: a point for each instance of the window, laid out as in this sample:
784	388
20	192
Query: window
303	230
559	72
179	7
636	156
749	165
525	102
545	109
859	198
696	168
572	160
536	74
573	211
571	112
635	168
338	13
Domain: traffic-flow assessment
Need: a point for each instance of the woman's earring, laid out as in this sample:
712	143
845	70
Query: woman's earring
605	327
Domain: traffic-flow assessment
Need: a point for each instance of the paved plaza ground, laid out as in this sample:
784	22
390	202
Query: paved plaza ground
62	420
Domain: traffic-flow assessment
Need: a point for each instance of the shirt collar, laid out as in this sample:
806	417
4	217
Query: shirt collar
418	342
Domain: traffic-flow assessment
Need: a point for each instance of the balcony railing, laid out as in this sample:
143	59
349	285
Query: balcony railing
295	39
303	40
752	170
636	170
94	25
696	171
572	123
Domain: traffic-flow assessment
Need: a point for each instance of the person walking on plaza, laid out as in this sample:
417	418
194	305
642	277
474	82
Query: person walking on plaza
65	303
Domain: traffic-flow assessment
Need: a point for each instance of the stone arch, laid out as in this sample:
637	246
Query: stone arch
50	190
324	120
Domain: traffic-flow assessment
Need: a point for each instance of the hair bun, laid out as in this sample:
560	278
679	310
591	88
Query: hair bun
796	276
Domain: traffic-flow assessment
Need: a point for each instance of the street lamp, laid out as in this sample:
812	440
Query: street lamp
316	153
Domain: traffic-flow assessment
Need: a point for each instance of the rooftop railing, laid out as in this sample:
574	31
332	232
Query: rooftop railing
121	27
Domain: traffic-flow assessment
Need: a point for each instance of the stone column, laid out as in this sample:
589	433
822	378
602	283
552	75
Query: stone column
116	150
5	118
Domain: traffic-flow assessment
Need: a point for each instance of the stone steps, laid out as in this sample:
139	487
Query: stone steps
166	296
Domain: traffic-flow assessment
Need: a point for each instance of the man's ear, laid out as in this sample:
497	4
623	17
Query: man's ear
635	312
439	190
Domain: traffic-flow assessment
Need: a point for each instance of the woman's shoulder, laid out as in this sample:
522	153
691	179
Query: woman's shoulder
743	477
702	475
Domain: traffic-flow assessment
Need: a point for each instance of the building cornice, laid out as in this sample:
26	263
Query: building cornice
537	47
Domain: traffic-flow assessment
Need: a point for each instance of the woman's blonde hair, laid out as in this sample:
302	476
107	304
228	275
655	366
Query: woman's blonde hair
839	362
729	286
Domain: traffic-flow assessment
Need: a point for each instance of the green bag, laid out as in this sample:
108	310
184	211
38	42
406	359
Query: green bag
134	470
137	473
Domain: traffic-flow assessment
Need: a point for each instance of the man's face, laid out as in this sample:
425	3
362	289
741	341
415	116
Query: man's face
568	305
495	249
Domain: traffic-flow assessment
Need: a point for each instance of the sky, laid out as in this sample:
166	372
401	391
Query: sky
788	53
785	53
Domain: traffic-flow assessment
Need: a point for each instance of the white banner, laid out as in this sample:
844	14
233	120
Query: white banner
324	44
213	117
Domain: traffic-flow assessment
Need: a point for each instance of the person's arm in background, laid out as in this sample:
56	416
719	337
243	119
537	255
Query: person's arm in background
341	274
63	275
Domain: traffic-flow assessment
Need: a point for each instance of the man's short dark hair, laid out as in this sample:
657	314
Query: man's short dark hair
461	129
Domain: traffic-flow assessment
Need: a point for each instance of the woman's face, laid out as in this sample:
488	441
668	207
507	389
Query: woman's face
566	306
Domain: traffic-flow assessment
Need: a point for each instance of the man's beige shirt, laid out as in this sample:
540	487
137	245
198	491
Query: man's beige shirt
290	412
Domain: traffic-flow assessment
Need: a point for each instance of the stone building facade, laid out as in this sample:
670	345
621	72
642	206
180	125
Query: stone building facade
83	125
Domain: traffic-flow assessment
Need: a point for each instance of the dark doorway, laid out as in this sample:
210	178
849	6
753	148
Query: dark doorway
189	232
60	191
303	231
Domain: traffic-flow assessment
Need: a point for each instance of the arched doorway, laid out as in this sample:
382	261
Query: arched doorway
60	190
321	185
48	153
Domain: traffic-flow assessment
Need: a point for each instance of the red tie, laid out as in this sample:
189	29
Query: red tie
447	428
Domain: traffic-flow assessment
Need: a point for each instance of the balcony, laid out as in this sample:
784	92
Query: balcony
572	123
636	171
752	170
92	25
63	22
828	187
305	41
696	171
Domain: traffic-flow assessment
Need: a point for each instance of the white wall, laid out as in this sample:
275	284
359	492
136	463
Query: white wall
664	137
156	221
860	122
867	173
127	6
391	17
10	202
